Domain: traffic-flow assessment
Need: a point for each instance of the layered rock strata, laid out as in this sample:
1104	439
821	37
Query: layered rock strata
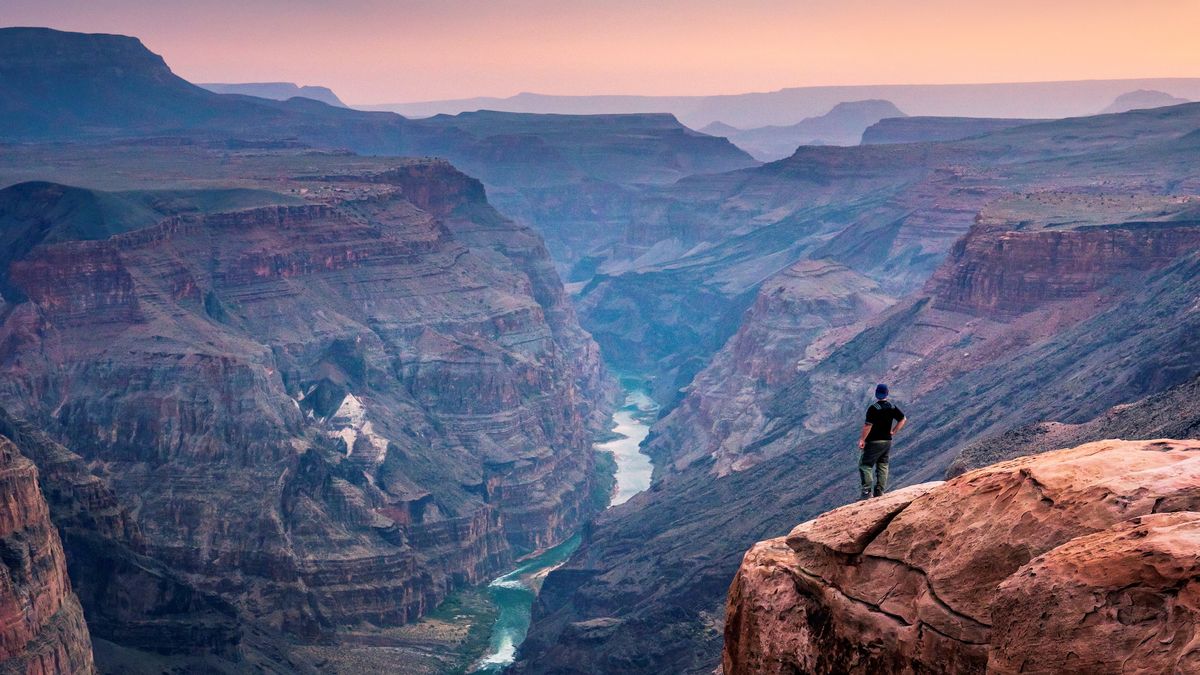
140	613
324	413
1075	561
42	629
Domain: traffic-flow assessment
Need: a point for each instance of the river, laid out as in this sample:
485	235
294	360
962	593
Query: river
514	593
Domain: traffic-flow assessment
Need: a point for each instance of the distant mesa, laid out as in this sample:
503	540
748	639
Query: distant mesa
277	91
1142	99
843	125
1044	100
719	128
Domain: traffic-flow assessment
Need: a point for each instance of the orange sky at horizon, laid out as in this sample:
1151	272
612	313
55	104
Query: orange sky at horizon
377	51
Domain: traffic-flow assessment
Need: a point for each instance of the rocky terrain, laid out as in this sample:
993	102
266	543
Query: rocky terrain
1051	564
1172	413
254	387
1044	290
284	397
797	315
143	617
42	629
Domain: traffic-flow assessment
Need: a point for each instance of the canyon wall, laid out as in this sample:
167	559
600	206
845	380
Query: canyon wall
1078	561
321	414
42	629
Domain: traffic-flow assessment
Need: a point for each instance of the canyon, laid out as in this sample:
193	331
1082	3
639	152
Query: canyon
1052	280
253	388
280	378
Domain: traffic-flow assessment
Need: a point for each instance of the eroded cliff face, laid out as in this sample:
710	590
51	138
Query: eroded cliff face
1075	561
141	614
324	414
42	630
1005	268
798	316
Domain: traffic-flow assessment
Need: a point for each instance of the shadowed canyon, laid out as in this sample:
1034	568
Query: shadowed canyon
287	386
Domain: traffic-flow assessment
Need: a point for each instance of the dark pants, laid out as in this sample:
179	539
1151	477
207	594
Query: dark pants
873	468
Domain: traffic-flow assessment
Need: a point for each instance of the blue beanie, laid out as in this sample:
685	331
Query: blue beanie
881	391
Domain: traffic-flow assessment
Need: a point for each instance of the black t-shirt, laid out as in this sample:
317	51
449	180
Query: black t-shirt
880	416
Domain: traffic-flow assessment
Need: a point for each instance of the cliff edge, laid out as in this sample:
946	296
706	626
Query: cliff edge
1081	560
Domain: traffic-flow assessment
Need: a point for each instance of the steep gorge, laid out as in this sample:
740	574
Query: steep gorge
1045	291
255	387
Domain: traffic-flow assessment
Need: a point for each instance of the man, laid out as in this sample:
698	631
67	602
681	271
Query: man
876	442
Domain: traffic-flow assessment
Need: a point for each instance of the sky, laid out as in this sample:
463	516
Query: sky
380	51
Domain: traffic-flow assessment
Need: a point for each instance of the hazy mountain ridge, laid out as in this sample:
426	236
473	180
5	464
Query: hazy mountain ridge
788	106
844	124
927	129
1142	99
279	91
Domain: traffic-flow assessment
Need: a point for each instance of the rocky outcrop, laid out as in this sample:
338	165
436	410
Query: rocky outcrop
997	270
320	414
279	91
42	629
1072	561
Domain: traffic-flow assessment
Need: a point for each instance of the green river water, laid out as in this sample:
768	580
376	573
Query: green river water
514	593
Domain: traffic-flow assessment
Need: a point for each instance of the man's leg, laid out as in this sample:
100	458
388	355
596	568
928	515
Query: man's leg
866	475
881	472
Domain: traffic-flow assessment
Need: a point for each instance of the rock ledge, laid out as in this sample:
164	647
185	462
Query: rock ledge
1084	560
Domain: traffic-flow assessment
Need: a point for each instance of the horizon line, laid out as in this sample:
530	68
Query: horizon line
749	93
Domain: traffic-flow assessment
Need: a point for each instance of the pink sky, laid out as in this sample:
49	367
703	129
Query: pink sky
375	51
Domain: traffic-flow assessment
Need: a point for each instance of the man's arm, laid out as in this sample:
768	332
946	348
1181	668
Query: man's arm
900	419
862	438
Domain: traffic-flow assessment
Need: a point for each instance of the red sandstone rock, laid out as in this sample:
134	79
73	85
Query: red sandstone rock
947	585
41	623
1123	600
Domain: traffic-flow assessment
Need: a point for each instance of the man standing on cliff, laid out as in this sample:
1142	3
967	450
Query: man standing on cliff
876	442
